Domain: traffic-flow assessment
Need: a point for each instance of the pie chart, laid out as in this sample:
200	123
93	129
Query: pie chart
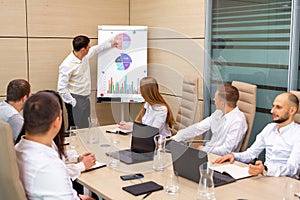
123	41
123	62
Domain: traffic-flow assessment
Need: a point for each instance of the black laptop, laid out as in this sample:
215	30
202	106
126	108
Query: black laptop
142	145
186	162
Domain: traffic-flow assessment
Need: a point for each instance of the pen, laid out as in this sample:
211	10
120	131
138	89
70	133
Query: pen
147	195
297	195
253	161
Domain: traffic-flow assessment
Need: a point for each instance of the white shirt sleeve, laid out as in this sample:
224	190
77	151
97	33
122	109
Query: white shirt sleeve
253	152
193	130
75	170
63	82
94	50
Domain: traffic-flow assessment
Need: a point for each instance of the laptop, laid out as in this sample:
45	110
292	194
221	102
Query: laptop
142	145
186	162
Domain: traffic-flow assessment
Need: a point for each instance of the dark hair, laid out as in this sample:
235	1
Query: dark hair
17	89
40	110
150	92
230	94
80	42
60	137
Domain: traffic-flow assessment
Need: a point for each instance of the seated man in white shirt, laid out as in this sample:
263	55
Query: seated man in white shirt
17	92
281	139
43	174
227	124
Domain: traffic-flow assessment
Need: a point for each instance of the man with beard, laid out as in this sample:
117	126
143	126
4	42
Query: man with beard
281	140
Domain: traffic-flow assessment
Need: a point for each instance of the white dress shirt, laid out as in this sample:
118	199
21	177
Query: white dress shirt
74	74
74	167
43	174
282	149
227	131
10	115
156	116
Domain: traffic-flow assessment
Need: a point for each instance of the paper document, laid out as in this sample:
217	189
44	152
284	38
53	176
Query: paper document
96	166
237	172
119	131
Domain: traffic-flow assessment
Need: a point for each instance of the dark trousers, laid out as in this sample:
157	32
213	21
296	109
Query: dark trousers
82	110
69	108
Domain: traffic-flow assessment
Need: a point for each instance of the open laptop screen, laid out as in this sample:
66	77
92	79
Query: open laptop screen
142	138
186	160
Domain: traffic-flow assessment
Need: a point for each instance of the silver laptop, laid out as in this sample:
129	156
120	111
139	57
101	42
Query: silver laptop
142	145
186	162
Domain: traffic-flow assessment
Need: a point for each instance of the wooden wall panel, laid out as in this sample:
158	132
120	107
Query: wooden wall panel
45	56
13	61
170	60
12	18
44	61
67	18
185	17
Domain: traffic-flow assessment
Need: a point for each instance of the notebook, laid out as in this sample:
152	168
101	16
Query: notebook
142	145
186	162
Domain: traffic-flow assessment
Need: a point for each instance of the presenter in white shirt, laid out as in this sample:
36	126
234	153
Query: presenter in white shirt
155	112
74	80
281	139
43	174
227	124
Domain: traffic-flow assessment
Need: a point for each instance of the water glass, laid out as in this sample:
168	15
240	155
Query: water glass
93	135
114	137
74	141
291	190
172	186
113	158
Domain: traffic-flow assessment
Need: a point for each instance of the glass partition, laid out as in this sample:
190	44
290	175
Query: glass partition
250	41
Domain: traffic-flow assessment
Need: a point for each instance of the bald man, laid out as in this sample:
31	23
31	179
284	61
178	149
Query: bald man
281	139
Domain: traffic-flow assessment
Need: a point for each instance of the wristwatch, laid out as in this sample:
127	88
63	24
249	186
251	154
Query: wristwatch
265	172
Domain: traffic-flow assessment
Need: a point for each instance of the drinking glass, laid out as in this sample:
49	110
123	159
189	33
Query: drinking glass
93	135
172	186
114	137
73	137
291	190
113	158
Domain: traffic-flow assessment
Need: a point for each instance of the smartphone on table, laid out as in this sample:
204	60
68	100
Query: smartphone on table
131	176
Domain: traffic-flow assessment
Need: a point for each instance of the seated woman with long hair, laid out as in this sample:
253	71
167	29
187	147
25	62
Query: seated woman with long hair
155	112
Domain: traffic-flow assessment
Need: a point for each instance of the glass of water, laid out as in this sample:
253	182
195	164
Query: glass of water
172	186
73	137
291	190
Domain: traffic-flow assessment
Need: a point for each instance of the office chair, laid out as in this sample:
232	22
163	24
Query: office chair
188	109
297	116
246	104
10	185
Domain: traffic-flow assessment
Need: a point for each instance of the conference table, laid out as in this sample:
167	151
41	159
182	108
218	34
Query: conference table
106	181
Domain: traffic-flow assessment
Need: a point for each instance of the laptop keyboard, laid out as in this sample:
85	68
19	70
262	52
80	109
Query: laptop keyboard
130	157
221	179
137	156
